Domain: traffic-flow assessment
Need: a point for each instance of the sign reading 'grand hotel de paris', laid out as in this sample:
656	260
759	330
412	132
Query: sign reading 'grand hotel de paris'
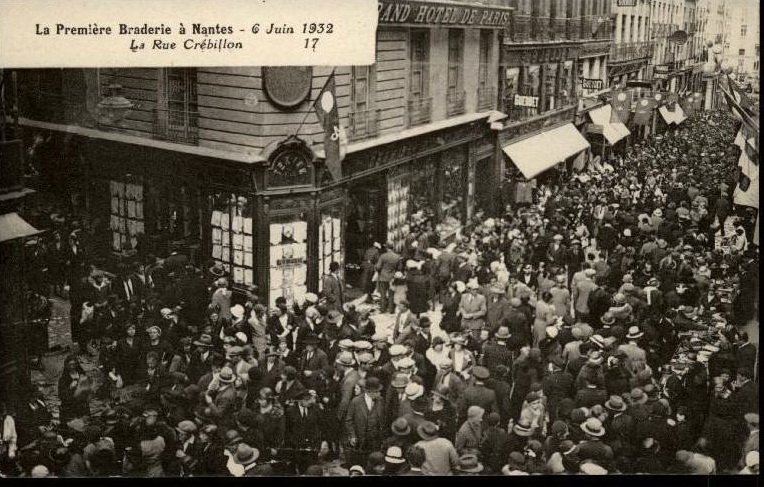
431	13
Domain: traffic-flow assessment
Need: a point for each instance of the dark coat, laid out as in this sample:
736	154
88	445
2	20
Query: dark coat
493	447
477	395
302	432
368	426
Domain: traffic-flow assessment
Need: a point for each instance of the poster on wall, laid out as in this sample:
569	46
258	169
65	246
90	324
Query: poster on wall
231	236
329	245
397	209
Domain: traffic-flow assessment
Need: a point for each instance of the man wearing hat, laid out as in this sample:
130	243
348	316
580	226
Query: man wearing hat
592	447
477	394
289	387
473	308
498	308
312	359
440	454
471	432
365	421
496	352
557	252
386	266
345	365
447	379
334	288
247	457
404	323
636	357
303	433
582	288
517	322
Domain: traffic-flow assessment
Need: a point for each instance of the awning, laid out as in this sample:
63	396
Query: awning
13	227
677	116
613	131
538	153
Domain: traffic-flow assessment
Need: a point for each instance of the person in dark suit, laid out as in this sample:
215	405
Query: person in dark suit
386	266
281	323
404	323
311	361
289	387
334	288
365	421
271	369
745	353
477	394
175	262
303	431
127	286
494	443
746	392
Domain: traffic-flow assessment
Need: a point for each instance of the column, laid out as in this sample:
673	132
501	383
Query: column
586	68
618	27
603	71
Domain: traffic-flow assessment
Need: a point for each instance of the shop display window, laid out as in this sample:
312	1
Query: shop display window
330	248
288	258
397	207
232	229
127	217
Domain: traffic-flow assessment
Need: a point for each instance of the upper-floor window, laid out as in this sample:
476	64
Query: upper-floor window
176	115
741	52
420	105
743	30
486	95
455	94
363	120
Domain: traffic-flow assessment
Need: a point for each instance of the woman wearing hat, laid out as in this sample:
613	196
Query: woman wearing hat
545	316
222	298
269	415
450	300
441	411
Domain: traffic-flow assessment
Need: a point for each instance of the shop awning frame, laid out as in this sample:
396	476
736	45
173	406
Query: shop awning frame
613	131
537	153
13	227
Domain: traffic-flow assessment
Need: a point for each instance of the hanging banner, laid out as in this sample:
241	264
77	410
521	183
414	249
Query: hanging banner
644	111
621	107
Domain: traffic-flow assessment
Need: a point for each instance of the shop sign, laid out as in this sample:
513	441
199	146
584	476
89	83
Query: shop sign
591	84
627	3
440	14
660	71
526	101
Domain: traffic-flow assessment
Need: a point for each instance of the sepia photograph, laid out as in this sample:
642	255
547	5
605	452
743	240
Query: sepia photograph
522	240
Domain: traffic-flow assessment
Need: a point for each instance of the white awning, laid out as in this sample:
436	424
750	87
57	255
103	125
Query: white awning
613	131
13	227
677	116
540	152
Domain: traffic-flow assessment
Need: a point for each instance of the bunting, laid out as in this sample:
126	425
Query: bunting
644	111
621	106
328	115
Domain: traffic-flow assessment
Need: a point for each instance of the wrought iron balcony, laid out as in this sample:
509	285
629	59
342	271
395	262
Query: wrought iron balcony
419	111
521	28
558	29
540	28
455	102
631	50
573	28
176	125
486	98
363	124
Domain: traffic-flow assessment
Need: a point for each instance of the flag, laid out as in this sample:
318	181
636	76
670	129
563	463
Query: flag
621	106
328	115
688	105
671	100
644	111
659	98
740	96
747	190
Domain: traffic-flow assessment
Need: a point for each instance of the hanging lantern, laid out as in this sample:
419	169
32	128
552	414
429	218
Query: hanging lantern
113	107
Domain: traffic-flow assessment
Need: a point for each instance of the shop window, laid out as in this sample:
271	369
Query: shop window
526	101
174	210
550	83
176	117
567	84
398	185
329	243
126	221
454	182
288	258
424	199
232	229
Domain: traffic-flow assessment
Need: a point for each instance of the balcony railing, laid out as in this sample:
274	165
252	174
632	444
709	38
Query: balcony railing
455	102
558	30
631	50
573	29
486	98
420	111
521	28
363	124
176	125
540	28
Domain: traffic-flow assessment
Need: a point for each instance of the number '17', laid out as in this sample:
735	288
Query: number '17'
310	43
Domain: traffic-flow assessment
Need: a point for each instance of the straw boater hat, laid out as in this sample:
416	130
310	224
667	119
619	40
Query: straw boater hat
345	358
245	454
398	350
593	427
634	333
503	333
311	298
237	311
522	429
394	455
615	403
226	375
469	463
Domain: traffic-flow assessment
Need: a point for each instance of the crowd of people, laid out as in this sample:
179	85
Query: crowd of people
594	330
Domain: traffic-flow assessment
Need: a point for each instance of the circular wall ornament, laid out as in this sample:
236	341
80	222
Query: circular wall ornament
327	102
287	86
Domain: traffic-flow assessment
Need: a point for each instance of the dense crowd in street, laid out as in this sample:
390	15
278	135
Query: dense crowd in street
596	329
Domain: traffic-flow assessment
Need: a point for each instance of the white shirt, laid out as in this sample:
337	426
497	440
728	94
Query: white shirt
459	360
369	401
